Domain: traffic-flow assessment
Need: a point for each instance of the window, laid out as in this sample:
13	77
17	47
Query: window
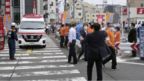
142	5
79	14
51	4
45	7
16	3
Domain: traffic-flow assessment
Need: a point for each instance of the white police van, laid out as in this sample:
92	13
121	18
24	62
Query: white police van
32	31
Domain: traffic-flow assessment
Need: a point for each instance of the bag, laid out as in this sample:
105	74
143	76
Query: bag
108	52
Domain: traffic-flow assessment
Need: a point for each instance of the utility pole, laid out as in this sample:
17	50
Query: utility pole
128	8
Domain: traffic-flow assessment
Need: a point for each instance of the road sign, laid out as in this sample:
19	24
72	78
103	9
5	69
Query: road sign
141	45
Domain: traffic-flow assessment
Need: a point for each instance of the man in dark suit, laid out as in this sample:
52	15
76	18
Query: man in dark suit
95	48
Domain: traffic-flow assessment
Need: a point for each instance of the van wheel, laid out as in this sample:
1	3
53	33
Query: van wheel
44	46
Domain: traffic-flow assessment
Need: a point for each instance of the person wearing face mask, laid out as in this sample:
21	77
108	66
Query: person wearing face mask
83	34
12	36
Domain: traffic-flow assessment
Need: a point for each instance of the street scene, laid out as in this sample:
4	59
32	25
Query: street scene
71	40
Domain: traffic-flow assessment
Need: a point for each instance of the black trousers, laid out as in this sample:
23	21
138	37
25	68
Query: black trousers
83	51
12	48
98	63
61	41
66	40
112	57
72	52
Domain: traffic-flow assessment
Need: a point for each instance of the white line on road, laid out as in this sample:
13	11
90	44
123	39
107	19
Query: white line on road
35	67
61	79
6	55
45	51
125	61
43	57
42	73
35	62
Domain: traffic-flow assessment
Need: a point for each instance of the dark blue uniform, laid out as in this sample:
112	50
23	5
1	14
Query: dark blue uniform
12	37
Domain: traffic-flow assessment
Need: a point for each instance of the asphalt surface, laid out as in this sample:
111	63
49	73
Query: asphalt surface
128	69
50	64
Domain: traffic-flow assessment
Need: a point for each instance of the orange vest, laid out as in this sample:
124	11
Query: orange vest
62	31
117	37
66	30
111	38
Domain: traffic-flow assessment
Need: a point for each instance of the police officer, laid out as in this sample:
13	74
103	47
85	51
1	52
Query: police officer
95	48
12	37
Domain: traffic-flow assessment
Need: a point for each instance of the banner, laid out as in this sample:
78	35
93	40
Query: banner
1	34
141	45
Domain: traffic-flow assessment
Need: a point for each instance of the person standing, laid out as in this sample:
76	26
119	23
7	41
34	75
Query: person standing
71	43
83	34
132	37
66	34
12	37
95	48
62	35
111	44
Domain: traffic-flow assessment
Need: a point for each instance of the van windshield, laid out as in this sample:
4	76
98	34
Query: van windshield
32	25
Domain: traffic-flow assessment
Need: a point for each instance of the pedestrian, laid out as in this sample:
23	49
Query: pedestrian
12	37
95	48
62	35
71	43
66	34
79	26
83	34
111	44
117	38
132	37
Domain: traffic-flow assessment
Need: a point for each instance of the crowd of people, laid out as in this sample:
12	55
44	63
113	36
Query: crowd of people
97	42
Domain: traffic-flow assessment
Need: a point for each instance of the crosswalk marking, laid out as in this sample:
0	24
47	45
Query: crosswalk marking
45	51
43	57
42	62
33	62
5	55
60	79
41	73
36	67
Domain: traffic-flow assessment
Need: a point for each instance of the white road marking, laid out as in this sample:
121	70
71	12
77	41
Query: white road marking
46	51
35	67
61	79
42	73
4	55
35	62
43	57
125	61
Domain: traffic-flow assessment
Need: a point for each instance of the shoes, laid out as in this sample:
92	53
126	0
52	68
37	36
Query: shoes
114	68
12	58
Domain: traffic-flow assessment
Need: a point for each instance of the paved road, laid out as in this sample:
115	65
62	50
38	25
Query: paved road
50	64
38	64
129	68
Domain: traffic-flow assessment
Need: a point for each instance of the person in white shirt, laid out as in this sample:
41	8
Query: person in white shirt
72	41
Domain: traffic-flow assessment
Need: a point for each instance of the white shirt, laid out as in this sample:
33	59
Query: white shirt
72	34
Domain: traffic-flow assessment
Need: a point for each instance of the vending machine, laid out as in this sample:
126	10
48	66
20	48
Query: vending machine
1	34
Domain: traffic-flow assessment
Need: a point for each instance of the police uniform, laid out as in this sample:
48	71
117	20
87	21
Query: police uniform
12	37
